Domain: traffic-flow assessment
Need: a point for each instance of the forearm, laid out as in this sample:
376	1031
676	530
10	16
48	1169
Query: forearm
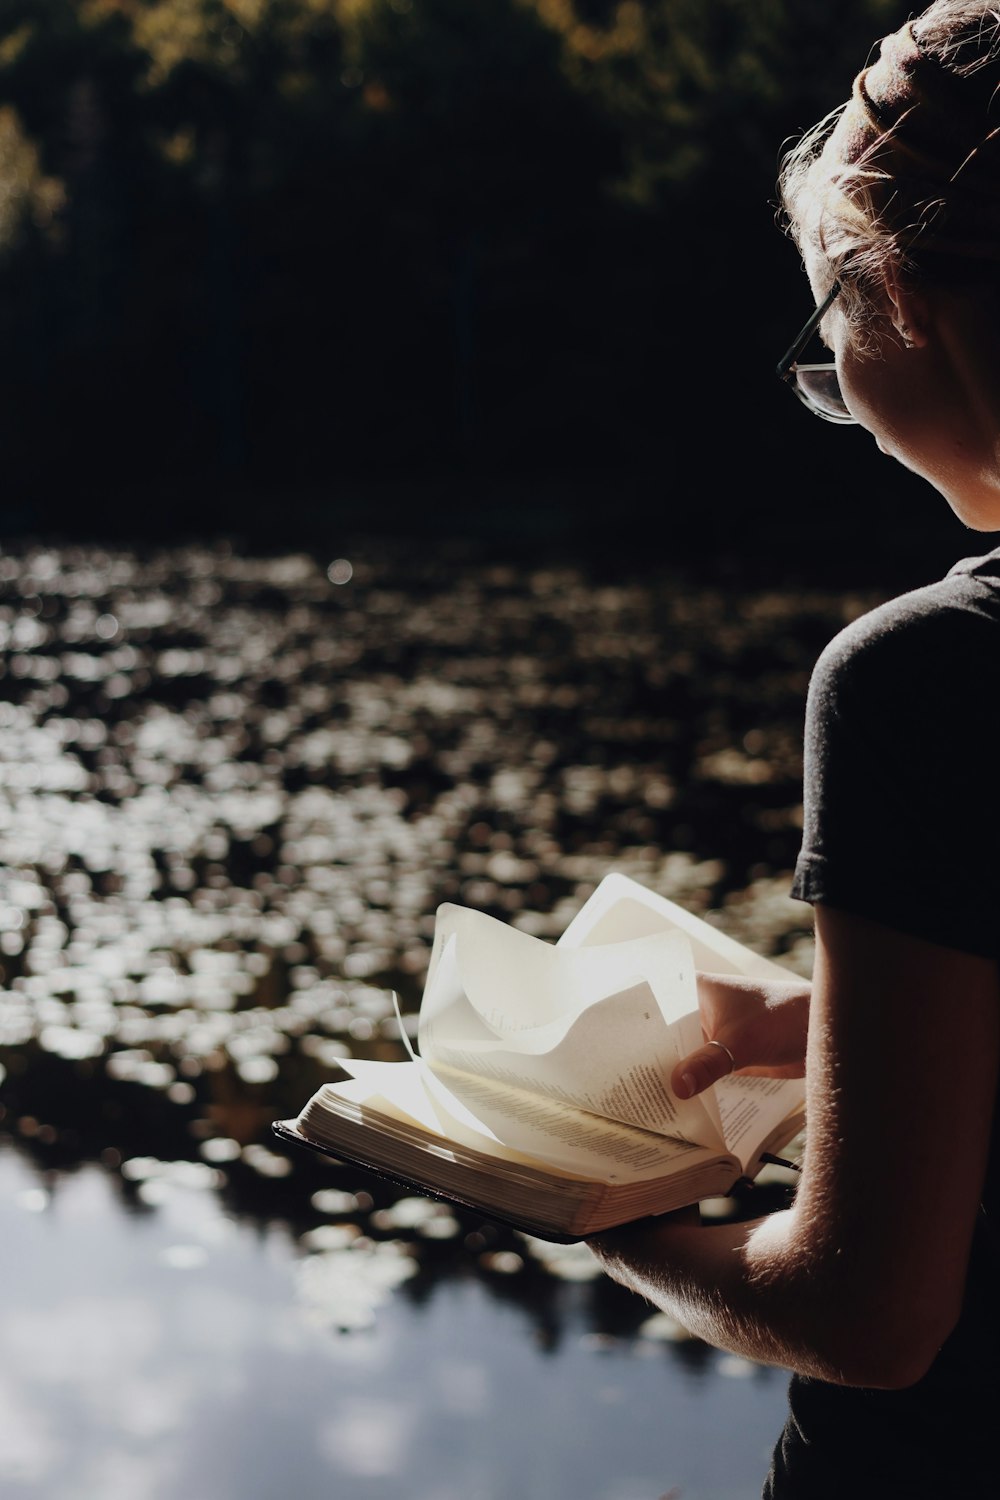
734	1285
862	1280
772	1293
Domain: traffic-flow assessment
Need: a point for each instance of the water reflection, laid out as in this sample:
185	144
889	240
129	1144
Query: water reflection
183	1352
233	789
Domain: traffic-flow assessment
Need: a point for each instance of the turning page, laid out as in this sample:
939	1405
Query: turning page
619	912
600	1030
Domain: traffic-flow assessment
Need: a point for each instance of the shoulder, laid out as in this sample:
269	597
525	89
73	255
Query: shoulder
902	724
943	638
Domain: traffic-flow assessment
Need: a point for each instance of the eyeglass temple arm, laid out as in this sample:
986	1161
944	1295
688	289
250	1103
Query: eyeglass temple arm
787	360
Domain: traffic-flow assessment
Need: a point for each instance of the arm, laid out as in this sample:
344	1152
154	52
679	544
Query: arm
861	1281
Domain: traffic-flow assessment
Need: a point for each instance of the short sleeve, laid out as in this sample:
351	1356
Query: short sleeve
902	771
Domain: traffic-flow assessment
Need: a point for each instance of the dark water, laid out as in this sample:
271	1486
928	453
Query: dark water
233	789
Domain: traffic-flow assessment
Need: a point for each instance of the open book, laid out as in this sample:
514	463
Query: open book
541	1094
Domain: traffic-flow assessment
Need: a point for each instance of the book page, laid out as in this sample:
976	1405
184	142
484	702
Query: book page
570	1138
600	1030
516	982
402	1089
514	1123
621	909
614	1060
751	1108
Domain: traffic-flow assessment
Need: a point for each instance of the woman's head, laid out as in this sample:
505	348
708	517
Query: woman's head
905	177
896	197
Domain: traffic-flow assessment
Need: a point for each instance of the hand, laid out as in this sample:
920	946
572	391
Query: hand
761	1023
612	1246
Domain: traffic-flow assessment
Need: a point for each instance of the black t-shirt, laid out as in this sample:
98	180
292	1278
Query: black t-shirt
902	825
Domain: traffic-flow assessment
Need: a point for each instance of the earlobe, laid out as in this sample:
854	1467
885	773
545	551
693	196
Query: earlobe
907	310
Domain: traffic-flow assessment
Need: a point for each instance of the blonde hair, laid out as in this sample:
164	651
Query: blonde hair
906	174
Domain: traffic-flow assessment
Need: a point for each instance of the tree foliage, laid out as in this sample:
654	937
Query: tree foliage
297	240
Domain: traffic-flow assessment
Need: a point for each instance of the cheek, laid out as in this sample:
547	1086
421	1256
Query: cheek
877	397
894	400
855	389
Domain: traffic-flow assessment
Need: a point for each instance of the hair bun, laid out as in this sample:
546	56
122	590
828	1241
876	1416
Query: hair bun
922	141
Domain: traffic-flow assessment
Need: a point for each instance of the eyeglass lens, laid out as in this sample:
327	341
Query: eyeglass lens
818	386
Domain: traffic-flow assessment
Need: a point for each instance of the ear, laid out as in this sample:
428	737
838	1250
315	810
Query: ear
907	310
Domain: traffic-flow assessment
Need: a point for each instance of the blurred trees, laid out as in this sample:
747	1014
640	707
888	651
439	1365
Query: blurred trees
296	244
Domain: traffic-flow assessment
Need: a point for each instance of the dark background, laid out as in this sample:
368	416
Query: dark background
288	269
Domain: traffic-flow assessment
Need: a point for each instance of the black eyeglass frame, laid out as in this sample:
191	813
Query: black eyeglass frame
788	367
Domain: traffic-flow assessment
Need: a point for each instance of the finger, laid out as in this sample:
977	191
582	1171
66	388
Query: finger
699	1070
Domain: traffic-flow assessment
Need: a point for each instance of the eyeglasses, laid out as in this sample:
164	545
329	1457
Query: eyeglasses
817	386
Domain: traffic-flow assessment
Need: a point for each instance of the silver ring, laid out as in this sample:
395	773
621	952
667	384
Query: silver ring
725	1049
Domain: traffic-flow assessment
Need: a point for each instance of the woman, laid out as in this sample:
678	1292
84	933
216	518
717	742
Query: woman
877	1287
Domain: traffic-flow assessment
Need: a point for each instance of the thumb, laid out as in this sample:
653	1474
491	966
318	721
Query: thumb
700	1069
